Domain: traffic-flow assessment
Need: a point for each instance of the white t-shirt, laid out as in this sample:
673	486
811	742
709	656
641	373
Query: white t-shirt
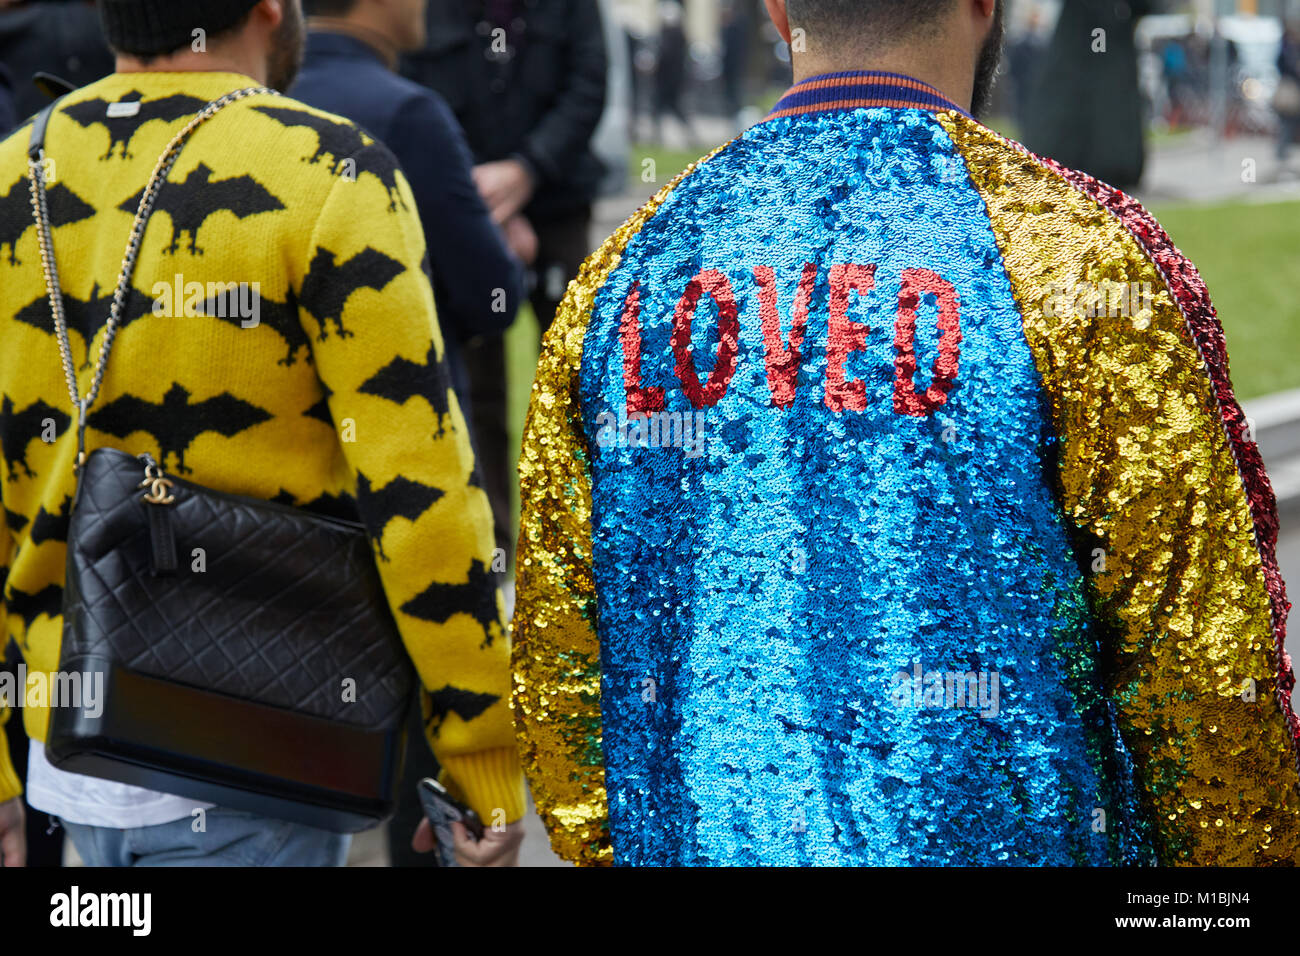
92	801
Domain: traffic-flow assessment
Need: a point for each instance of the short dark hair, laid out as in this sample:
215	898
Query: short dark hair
328	8
872	21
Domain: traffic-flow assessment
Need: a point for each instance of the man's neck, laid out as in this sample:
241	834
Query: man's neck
190	62
371	37
949	75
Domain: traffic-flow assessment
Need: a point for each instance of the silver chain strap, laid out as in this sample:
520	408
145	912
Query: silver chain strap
40	209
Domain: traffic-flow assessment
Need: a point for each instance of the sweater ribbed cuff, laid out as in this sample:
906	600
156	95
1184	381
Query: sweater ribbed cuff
489	780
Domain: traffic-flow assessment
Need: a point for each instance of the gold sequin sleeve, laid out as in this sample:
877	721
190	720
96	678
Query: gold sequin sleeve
1173	514
556	650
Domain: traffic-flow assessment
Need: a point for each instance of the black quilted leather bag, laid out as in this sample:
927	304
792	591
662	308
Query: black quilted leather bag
248	654
247	651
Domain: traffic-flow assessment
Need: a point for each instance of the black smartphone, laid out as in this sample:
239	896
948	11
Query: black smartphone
442	810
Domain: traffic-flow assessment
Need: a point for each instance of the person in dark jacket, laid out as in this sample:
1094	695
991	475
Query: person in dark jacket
670	70
526	79
62	38
1286	104
8	115
1084	109
352	49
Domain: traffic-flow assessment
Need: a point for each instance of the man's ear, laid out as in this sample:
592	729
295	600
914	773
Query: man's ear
272	11
776	10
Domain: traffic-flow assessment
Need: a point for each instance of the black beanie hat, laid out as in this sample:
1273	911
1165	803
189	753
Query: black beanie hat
154	27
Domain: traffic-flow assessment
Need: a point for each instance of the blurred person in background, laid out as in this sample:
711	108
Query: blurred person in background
736	26
1175	71
641	57
526	79
345	351
1085	109
8	112
353	48
1286	102
1024	53
61	37
672	63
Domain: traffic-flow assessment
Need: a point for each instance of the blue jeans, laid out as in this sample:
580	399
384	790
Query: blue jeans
231	838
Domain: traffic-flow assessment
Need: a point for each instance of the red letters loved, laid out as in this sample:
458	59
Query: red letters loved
782	358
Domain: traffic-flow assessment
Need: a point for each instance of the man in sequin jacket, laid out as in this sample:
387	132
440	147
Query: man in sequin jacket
886	501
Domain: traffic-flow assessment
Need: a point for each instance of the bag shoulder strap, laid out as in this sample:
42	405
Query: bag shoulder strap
39	126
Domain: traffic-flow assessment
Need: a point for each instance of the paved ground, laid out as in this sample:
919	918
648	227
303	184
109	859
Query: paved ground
1196	168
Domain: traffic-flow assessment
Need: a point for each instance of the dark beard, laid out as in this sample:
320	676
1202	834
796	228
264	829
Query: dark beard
986	70
286	49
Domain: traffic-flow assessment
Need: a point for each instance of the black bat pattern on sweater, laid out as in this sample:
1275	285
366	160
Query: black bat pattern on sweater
328	284
65	208
176	421
400	498
280	317
15	521
88	317
401	380
52	526
48	601
341	505
339	141
198	197
477	597
122	129
321	412
18	429
466	704
342	141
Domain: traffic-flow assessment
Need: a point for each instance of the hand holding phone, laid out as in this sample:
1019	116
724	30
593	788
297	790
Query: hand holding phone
442	810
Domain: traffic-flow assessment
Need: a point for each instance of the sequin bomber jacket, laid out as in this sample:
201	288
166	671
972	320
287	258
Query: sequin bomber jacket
886	501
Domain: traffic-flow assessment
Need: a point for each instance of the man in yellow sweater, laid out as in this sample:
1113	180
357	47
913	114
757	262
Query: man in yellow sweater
333	394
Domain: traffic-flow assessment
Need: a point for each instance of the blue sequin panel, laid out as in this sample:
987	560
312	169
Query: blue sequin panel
839	637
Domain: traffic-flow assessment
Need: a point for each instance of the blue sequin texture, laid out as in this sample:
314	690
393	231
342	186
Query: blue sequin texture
768	609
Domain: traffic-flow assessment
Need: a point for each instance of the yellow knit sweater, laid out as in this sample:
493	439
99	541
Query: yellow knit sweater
337	399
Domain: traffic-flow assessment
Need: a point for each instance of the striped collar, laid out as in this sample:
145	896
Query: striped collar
860	89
